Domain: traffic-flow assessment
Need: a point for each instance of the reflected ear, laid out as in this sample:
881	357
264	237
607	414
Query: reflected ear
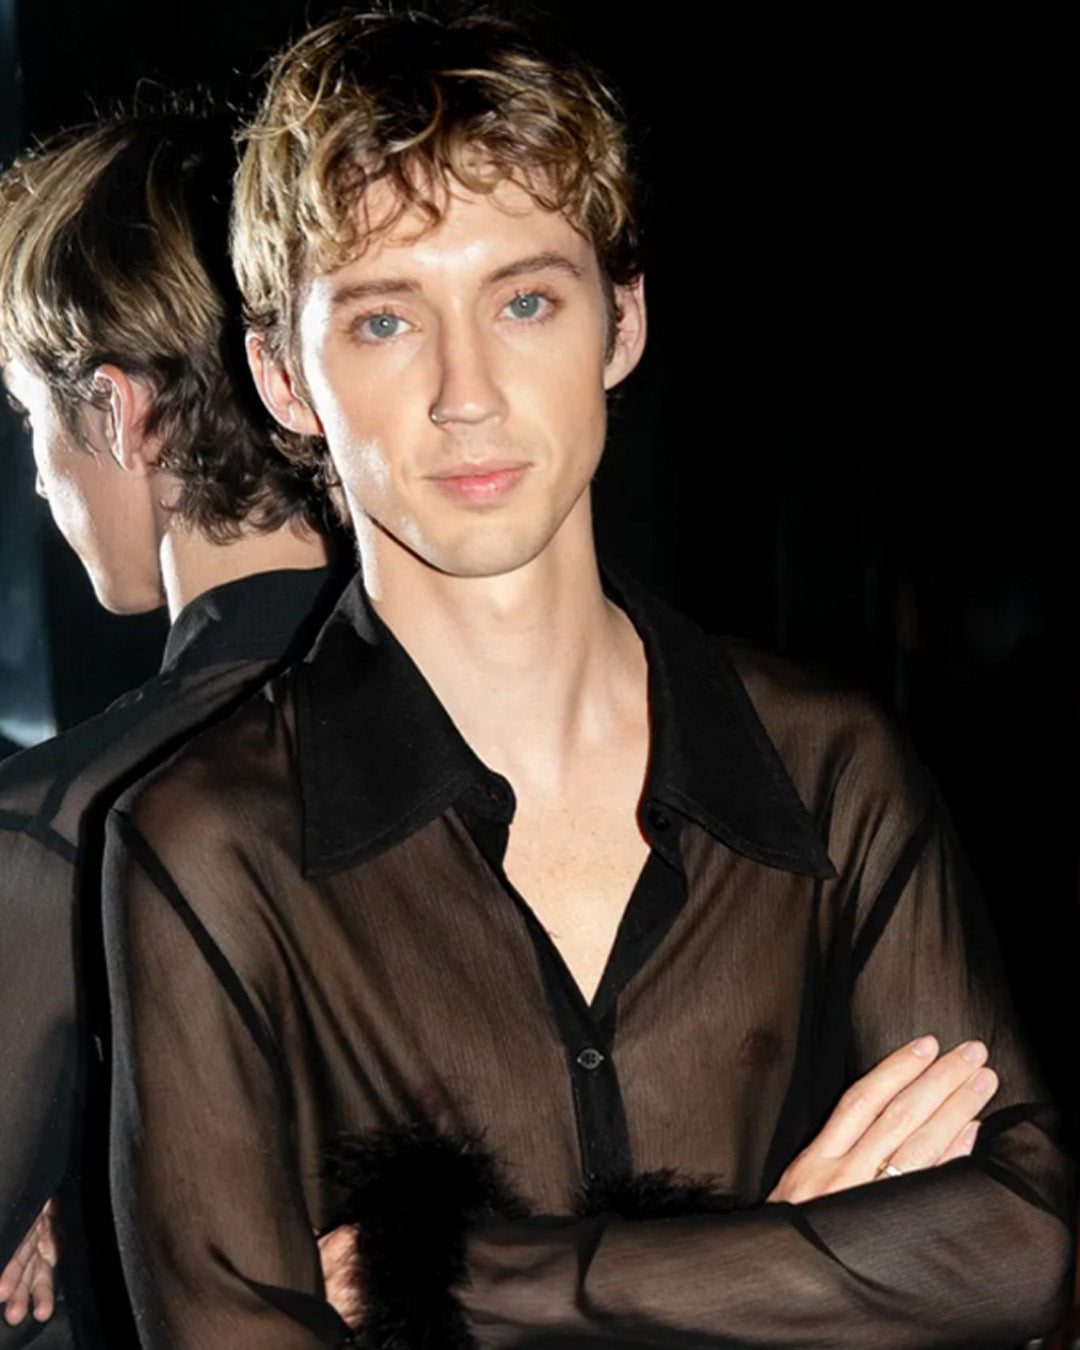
129	404
630	332
278	389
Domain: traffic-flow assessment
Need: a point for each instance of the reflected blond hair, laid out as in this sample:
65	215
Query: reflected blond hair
114	250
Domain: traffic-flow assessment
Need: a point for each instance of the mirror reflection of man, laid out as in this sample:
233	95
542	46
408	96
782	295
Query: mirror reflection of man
638	970
121	346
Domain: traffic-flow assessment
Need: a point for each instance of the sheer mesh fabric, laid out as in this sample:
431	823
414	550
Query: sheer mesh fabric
53	800
897	946
37	1040
265	1009
50	947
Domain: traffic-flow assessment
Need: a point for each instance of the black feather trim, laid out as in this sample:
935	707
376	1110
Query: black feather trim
414	1195
651	1195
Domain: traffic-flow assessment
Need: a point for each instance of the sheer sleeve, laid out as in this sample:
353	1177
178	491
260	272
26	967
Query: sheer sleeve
37	1031
215	1236
973	1253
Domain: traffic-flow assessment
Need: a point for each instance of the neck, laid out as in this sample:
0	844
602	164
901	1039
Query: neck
192	564
534	666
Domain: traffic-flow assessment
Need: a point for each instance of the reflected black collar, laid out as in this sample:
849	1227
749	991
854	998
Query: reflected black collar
380	756
256	618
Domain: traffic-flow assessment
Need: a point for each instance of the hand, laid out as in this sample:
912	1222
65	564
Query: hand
915	1109
337	1253
27	1280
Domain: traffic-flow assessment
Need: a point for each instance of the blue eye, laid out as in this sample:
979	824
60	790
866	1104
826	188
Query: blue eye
525	306
381	326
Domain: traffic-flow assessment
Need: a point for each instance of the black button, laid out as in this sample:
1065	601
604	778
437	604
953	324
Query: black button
658	820
590	1059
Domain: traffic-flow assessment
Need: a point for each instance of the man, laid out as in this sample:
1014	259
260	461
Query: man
119	338
524	925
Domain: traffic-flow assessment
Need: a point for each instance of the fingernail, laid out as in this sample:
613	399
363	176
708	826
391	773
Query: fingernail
984	1081
924	1047
974	1052
967	1139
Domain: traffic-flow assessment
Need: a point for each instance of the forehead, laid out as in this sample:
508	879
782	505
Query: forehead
476	234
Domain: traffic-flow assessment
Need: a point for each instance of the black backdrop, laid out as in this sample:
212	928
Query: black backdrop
841	442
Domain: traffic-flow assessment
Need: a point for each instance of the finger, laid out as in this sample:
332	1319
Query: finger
864	1101
913	1106
16	1307
46	1244
41	1291
337	1254
16	1267
926	1146
10	1278
337	1246
12	1284
962	1145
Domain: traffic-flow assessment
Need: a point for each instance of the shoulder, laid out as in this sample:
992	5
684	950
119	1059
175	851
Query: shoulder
47	788
227	787
849	761
803	704
65	785
202	851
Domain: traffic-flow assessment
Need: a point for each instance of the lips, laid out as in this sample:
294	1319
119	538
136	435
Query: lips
480	484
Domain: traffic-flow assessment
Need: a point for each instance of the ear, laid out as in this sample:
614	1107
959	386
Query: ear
630	332
129	404
278	389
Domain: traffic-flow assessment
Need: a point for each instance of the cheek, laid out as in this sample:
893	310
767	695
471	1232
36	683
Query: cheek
571	404
355	413
366	469
569	377
368	479
63	488
84	513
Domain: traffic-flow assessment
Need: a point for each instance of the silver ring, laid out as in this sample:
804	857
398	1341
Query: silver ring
888	1170
436	417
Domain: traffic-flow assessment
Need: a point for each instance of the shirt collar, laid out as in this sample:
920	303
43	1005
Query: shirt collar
257	618
710	756
380	757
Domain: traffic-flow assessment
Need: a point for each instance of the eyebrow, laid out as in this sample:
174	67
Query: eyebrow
535	262
363	290
357	291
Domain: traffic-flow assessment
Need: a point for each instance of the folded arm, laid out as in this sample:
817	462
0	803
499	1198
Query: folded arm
975	1252
214	1232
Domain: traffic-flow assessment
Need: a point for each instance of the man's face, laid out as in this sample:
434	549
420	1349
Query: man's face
458	374
93	502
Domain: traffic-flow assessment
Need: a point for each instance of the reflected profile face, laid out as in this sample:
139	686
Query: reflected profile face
95	504
459	375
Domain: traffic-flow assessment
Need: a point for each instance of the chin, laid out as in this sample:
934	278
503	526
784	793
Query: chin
488	555
119	598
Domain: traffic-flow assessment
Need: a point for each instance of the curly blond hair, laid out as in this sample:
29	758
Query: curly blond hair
419	104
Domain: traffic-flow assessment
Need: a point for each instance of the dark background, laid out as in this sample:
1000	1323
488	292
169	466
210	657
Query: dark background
842	442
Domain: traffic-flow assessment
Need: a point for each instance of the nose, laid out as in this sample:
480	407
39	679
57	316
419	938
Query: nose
469	392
